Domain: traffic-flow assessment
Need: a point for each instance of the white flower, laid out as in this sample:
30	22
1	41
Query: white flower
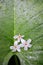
18	37
26	44
16	47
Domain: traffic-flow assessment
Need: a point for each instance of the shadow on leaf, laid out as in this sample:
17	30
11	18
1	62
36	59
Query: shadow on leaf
14	60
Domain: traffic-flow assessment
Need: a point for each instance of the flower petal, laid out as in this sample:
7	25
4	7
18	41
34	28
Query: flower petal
16	43
23	41
25	48
19	40
11	47
15	37
18	50
29	45
21	45
14	50
29	41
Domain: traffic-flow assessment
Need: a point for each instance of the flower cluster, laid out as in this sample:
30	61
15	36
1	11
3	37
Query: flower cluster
20	43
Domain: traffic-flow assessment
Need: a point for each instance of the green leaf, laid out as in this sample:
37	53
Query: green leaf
6	28
28	21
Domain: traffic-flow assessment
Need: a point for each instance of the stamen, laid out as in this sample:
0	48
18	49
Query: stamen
25	43
15	46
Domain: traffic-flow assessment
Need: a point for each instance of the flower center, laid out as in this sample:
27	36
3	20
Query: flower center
25	43
15	46
19	36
